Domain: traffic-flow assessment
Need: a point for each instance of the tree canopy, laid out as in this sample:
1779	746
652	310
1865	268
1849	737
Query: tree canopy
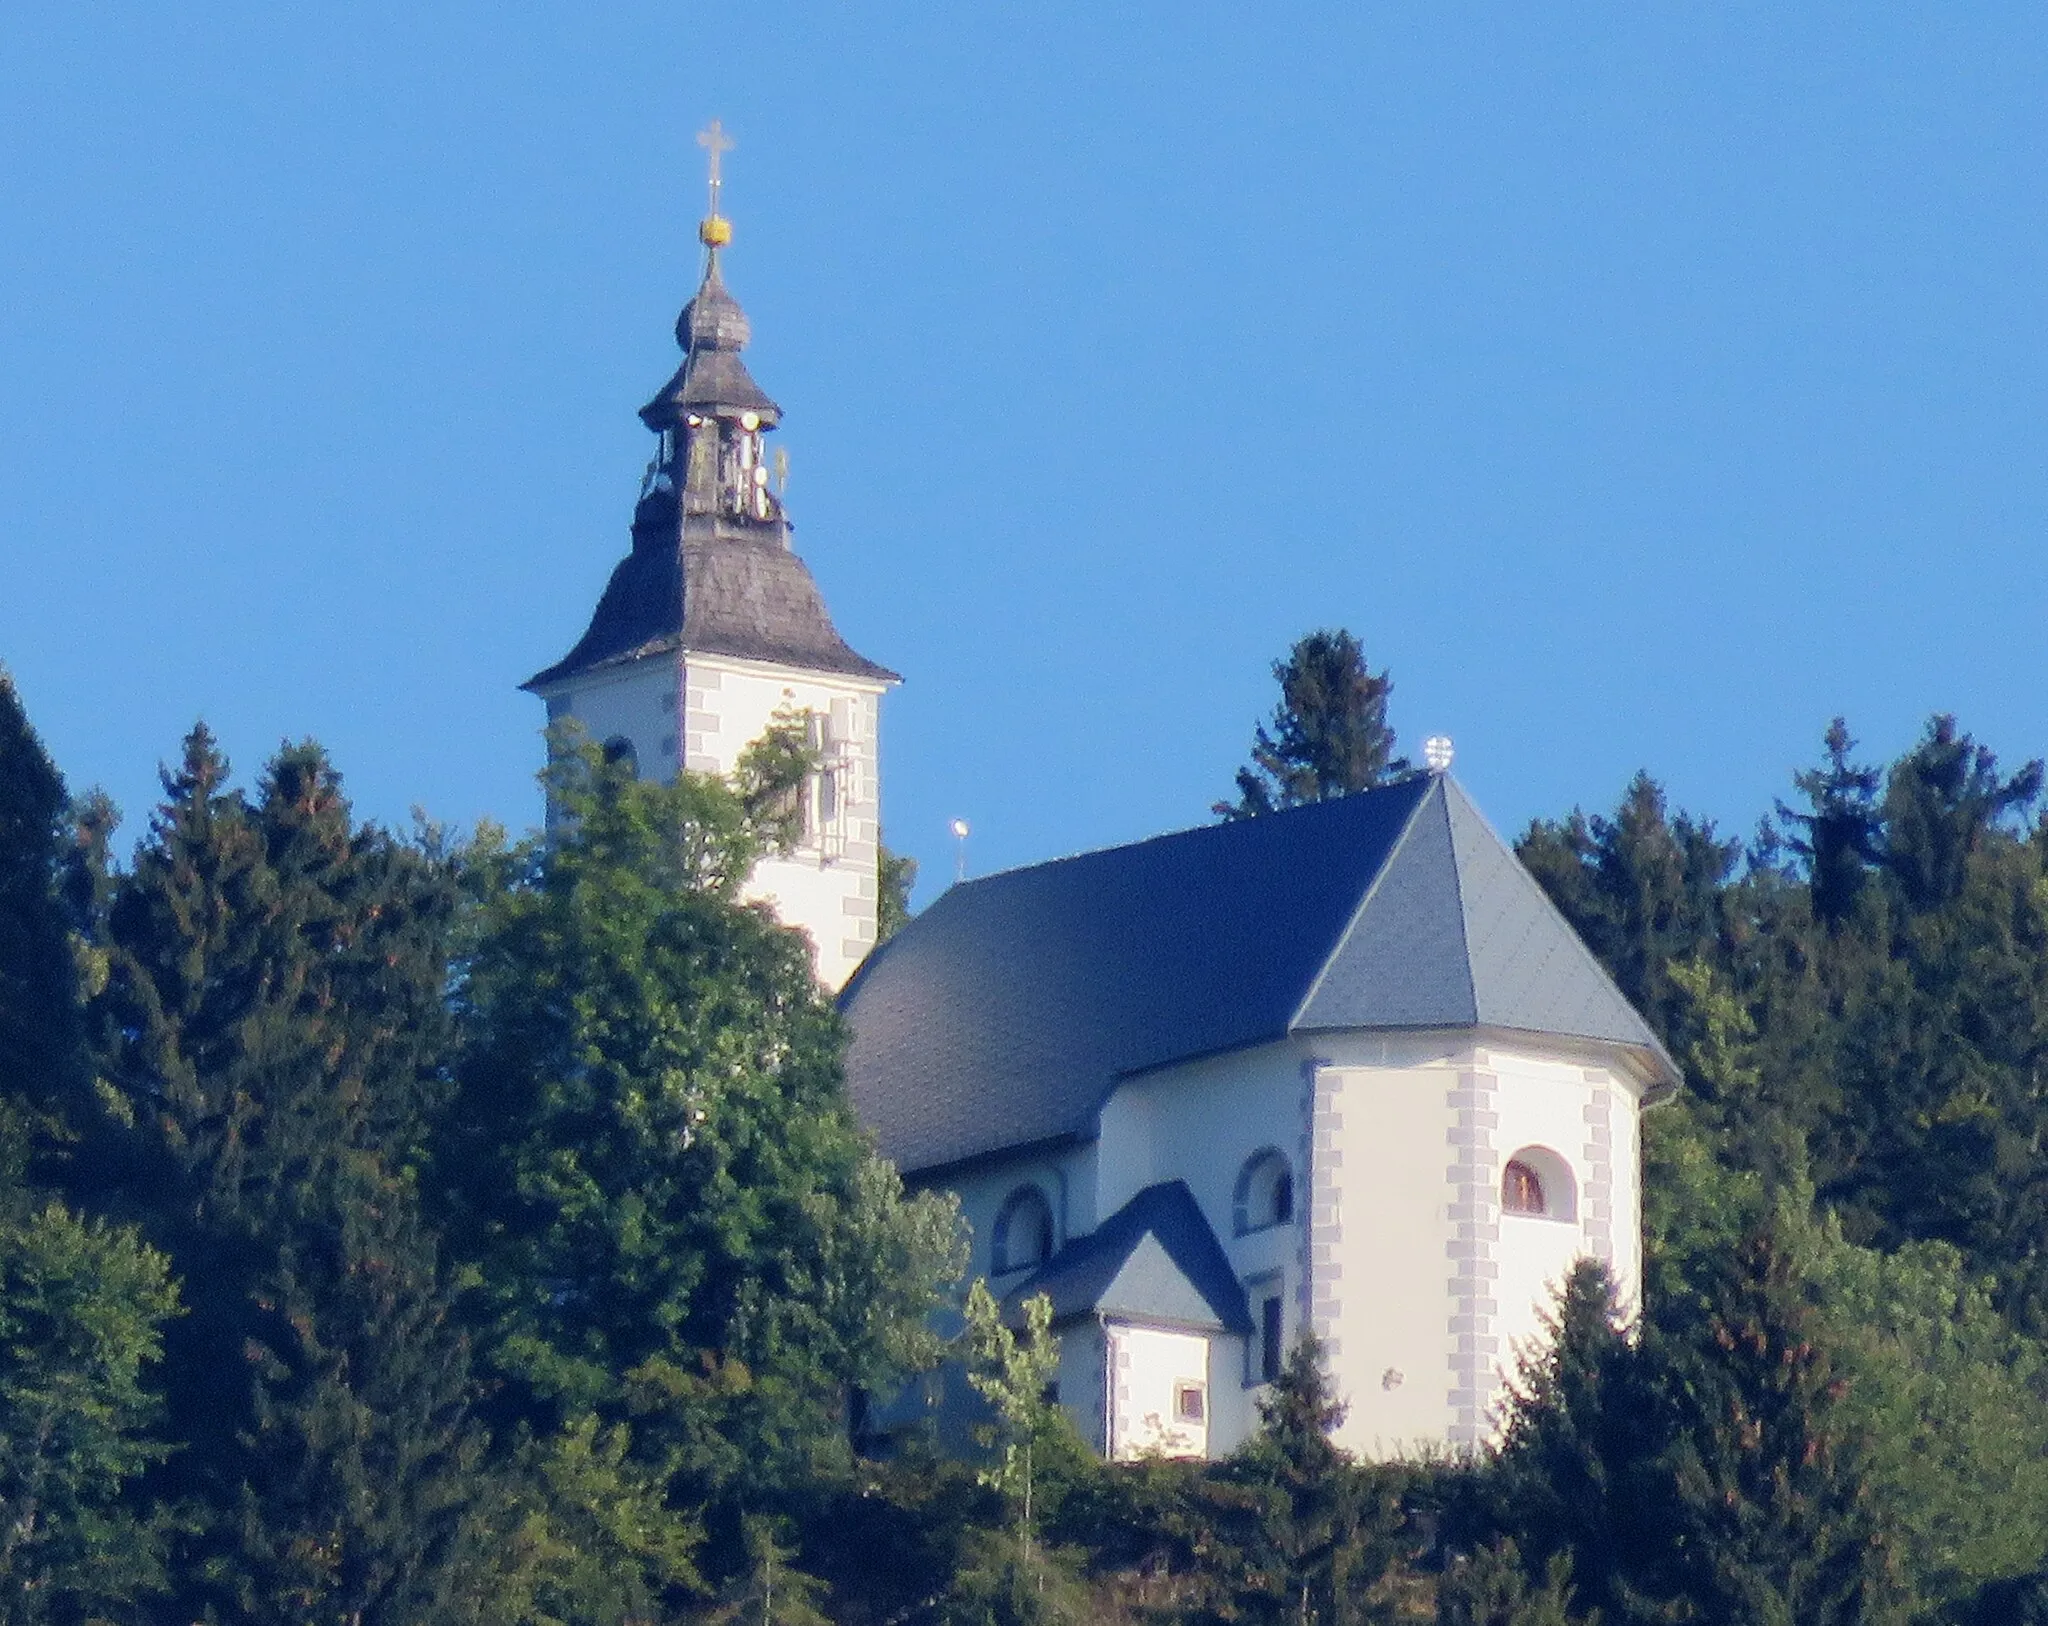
1328	735
402	1229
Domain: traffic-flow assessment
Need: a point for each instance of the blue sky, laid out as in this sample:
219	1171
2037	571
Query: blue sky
1644	385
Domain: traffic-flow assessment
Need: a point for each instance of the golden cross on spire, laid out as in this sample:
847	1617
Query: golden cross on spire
713	139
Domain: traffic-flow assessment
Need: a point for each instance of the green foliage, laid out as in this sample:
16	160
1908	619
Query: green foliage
1292	1530
82	1311
42	1061
895	879
671	1222
770	1591
272	1022
774	774
1944	1399
1491	1587
1642	887
1328	736
334	1066
1002	1581
1772	1513
1012	1372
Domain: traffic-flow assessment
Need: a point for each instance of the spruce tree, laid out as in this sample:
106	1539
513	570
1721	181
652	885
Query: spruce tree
272	1012
1643	887
1576	1488
1840	837
1299	1534
1328	736
1942	800
41	1056
1771	1518
1491	1587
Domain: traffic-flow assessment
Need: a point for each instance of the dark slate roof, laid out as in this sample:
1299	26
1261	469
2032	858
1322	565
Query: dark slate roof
712	331
708	380
1005	1013
1155	1259
725	593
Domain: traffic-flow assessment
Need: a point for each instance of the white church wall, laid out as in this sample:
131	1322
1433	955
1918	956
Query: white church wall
1149	1369
1202	1122
827	885
1587	1118
1382	1233
1399	1250
636	703
984	1189
1082	1390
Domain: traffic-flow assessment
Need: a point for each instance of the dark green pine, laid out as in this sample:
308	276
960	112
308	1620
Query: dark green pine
1642	887
277	979
42	1065
1770	1516
1840	836
1576	1490
1297	1530
1328	735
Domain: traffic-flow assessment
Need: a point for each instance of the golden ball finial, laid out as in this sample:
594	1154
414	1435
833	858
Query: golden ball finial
714	231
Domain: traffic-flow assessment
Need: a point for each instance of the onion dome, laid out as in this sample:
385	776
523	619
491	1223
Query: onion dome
712	381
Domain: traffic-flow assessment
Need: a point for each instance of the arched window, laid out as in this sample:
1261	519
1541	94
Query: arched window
1023	1231
1537	1181
620	749
1265	1192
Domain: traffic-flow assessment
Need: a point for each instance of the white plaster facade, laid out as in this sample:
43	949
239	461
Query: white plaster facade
700	712
1398	1252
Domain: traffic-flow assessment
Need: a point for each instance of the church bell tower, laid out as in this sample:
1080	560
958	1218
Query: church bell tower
712	628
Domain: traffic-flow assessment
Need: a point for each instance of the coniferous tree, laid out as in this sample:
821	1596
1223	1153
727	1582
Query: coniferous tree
1770	1516
1300	1535
1328	736
42	1068
1577	1489
1942	800
1491	1587
1643	888
272	1010
1840	837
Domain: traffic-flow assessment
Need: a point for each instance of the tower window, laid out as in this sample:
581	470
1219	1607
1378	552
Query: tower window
1272	1345
1265	1193
1521	1189
1190	1402
1023	1234
618	749
1537	1181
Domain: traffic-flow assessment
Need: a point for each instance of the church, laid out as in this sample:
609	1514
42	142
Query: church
1340	1068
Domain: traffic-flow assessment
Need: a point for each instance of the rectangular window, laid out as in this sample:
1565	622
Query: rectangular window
1190	1403
824	815
1272	1349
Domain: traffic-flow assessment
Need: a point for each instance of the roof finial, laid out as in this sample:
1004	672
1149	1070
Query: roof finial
715	231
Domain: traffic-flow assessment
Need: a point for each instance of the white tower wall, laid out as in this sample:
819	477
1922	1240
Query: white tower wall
1424	1289
701	712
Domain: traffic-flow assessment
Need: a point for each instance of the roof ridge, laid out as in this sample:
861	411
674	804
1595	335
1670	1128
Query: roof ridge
1372	888
1458	886
1575	943
1188	832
